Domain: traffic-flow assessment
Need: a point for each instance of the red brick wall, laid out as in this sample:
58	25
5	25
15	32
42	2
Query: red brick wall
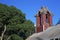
50	20
39	29
38	22
42	20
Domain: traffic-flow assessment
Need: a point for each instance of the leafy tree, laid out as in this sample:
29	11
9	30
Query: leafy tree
15	23
27	28
15	37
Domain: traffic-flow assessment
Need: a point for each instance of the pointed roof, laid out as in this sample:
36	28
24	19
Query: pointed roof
44	10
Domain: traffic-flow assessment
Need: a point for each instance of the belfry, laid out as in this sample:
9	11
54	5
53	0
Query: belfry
43	19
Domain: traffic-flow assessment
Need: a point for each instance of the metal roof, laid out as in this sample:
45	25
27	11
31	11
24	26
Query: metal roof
50	33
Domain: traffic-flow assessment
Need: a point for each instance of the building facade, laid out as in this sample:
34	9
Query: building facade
43	19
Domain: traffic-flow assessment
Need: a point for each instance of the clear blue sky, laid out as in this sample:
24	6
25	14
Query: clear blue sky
30	7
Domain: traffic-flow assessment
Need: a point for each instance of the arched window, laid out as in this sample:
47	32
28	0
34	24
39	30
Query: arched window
46	18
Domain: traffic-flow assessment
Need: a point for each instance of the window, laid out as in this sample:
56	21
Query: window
46	18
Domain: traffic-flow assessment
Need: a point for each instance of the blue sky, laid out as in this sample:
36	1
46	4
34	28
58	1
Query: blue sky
30	7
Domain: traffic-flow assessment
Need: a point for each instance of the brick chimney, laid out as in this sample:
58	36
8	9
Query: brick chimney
43	19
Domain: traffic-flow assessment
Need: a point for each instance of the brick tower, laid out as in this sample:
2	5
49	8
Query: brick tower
43	19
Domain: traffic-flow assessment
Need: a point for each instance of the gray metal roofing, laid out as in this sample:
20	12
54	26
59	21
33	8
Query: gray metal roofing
52	32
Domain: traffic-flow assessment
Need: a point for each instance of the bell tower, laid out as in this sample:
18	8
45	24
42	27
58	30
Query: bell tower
43	19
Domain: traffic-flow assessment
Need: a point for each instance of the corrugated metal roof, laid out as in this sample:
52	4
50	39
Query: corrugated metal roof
52	32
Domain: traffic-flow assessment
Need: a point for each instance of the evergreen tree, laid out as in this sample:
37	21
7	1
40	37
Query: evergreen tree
15	22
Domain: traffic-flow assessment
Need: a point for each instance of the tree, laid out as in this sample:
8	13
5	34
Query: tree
15	22
2	34
27	28
14	37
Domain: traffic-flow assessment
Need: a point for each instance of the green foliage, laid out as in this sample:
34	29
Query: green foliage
27	28
16	37
16	23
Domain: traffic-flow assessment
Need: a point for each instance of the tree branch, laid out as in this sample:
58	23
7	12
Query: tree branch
3	32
